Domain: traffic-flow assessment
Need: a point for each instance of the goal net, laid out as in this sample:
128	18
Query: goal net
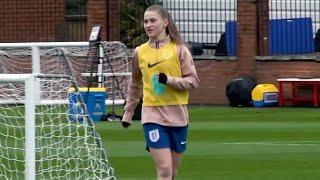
39	140
74	59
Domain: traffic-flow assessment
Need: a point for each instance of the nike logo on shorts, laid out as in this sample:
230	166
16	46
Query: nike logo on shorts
154	64
183	142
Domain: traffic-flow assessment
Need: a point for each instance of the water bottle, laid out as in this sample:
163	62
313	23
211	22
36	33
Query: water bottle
158	88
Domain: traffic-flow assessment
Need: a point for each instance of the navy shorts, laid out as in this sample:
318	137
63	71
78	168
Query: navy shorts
158	136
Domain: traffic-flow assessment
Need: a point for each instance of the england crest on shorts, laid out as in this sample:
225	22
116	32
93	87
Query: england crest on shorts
154	135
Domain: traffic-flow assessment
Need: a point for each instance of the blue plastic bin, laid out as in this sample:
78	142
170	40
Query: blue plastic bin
290	36
94	100
231	38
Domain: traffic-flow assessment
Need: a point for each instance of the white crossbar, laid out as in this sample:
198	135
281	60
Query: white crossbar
43	44
106	74
14	77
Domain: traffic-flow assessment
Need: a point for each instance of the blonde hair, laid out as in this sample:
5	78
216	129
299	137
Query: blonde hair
171	29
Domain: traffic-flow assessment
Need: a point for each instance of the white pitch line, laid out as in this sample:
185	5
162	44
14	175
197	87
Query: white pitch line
278	143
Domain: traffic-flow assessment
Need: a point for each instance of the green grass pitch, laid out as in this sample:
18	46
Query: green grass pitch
228	144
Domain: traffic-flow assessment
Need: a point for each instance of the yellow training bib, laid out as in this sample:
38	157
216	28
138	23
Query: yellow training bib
153	61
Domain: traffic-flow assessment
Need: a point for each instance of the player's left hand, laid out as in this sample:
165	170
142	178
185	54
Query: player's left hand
162	78
125	124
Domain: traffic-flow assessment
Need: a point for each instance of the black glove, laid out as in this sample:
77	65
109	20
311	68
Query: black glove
163	78
125	124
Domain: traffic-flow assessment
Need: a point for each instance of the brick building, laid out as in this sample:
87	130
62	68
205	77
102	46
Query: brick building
30	21
50	20
16	17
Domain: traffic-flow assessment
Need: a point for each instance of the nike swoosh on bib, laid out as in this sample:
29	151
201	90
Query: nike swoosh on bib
154	64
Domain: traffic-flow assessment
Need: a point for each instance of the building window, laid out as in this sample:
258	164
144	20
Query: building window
76	9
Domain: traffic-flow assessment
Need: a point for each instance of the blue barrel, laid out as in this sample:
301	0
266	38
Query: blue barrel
94	99
231	38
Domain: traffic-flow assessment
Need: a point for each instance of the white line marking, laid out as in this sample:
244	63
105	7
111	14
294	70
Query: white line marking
278	143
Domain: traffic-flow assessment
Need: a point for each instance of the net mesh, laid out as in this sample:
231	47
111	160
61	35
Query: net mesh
67	146
73	61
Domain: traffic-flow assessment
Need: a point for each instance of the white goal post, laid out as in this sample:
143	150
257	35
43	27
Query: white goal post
28	80
41	141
